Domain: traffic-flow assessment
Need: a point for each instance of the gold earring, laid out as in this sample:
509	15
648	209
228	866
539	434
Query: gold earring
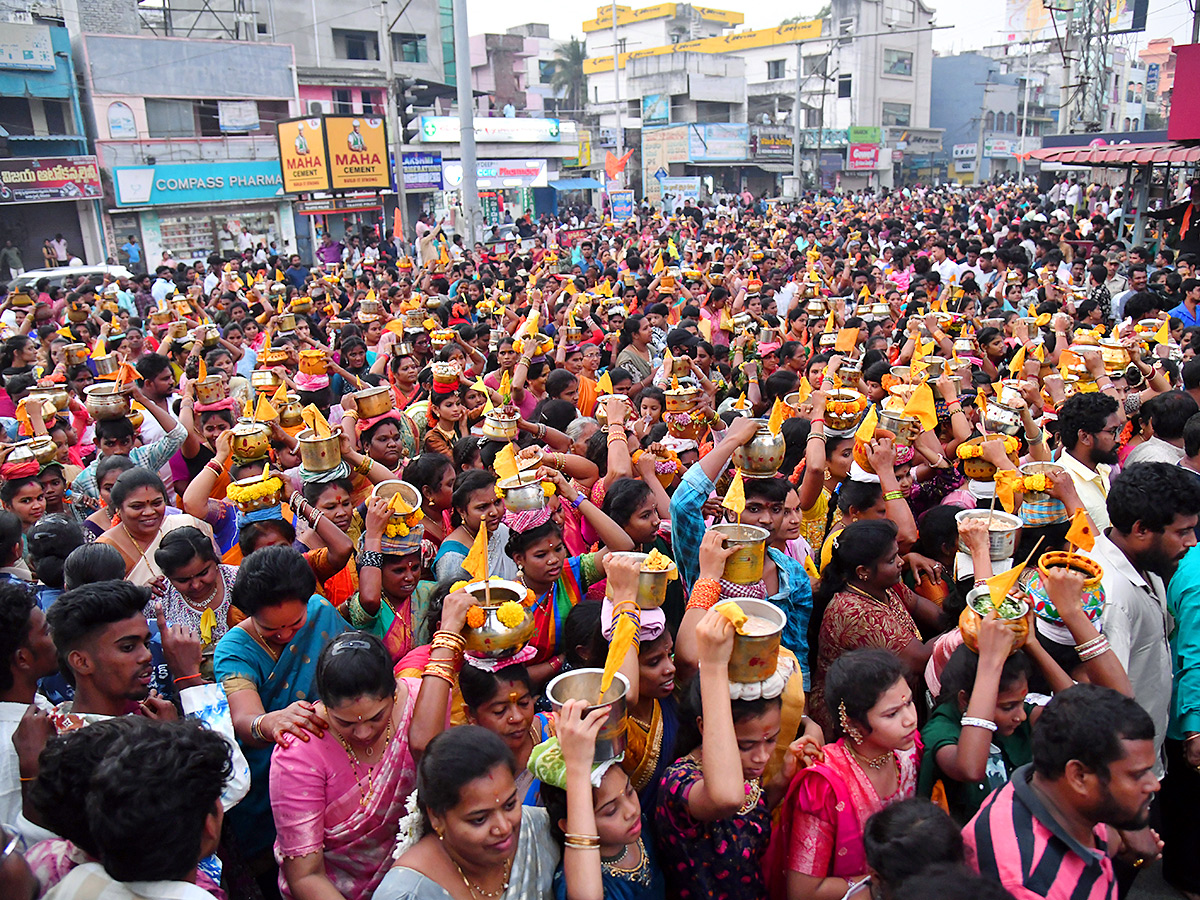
849	730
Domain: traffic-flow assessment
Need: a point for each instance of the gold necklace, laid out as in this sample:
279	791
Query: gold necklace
138	548
638	873
877	762
475	889
258	639
753	794
364	797
205	604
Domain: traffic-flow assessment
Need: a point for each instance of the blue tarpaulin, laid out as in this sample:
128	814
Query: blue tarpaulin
577	184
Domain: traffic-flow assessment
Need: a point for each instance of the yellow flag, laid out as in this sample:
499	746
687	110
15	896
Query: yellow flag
864	293
506	385
1000	585
829	323
705	326
1081	534
623	636
1017	363
922	407
506	462
741	402
658	265
805	390
1163	334
735	497
98	349
280	397
1039	352
667	360
810	568
866	431
604	385
847	338
476	563
918	350
775	423
248	411
1008	482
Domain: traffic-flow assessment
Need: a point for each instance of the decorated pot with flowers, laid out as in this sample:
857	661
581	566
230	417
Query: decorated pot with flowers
977	468
1011	610
1093	590
500	623
404	502
261	491
843	409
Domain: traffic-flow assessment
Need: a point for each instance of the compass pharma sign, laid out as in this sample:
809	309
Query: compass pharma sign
333	153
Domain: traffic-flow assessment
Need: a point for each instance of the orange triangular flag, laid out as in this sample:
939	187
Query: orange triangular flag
921	405
829	323
248	409
1008	482
805	390
202	372
265	412
476	563
280	397
847	338
775	423
604	385
506	463
1081	534
1000	585
735	497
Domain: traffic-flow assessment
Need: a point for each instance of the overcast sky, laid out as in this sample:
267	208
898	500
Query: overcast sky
973	22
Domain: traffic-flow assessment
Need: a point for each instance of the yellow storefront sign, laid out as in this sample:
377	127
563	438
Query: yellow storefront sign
628	16
358	153
584	158
727	43
302	156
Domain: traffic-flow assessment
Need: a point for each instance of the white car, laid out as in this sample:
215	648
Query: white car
67	276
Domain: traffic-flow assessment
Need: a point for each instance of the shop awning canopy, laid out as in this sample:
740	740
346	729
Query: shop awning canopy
577	184
1120	155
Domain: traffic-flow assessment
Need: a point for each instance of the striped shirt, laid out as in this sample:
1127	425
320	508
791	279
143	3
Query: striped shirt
1014	839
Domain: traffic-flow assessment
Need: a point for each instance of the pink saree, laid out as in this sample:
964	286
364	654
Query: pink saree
320	805
820	829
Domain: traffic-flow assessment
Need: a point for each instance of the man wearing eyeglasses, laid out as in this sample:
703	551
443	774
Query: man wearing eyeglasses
1089	426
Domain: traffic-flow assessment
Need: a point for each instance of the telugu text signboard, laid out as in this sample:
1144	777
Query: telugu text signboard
42	178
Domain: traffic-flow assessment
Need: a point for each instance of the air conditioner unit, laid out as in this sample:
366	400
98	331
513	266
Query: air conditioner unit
315	108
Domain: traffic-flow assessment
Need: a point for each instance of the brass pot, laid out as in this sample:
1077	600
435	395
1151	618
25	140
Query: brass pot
388	489
75	354
572	334
78	312
904	373
44	449
58	396
210	389
905	428
160	317
107	401
762	456
602	414
264	380
302	305
584	684
745	565
207	335
251	440
652	583
374	401
499	427
285	322
371	308
755	657
290	416
682	399
136	417
970	619
320	454
1116	357
493	639
1040	468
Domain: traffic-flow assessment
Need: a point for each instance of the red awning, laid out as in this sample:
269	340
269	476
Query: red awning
1120	155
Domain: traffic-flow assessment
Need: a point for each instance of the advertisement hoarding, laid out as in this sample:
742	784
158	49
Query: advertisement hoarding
446	130
862	157
623	205
42	178
302	155
422	171
357	153
718	142
170	183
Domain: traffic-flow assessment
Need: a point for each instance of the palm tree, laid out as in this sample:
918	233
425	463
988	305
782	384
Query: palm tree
568	78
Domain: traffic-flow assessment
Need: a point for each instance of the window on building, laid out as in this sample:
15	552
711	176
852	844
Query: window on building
170	118
898	62
900	11
355	44
989	121
844	85
410	48
1011	124
15	115
372	103
897	114
261	28
1126	128
774	69
812	118
446	20
57	117
845	29
1133	125
621	44
546	69
343	102
816	65
710	111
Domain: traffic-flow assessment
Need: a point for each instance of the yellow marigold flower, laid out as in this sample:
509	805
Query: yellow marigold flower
458	586
548	488
511	614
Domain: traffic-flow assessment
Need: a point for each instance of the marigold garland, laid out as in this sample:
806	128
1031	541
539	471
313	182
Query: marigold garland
256	491
975	451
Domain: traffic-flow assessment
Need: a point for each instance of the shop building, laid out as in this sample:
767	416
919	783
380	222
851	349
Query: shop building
49	182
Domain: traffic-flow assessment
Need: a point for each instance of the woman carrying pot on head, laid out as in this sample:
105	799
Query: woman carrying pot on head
432	474
392	602
557	580
387	439
141	522
471	829
22	493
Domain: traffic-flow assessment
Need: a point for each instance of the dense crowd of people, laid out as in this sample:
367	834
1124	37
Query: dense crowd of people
844	548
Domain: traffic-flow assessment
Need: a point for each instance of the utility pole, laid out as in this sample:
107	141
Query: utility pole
1025	110
617	89
466	124
394	125
796	119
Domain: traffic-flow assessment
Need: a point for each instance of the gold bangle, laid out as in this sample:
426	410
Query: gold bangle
364	467
449	640
576	845
583	841
437	670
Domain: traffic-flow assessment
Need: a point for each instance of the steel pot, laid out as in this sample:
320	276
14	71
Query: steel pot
999	419
1039	468
584	684
106	365
522	494
265	380
763	455
75	354
1002	533
373	402
493	639
905	428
